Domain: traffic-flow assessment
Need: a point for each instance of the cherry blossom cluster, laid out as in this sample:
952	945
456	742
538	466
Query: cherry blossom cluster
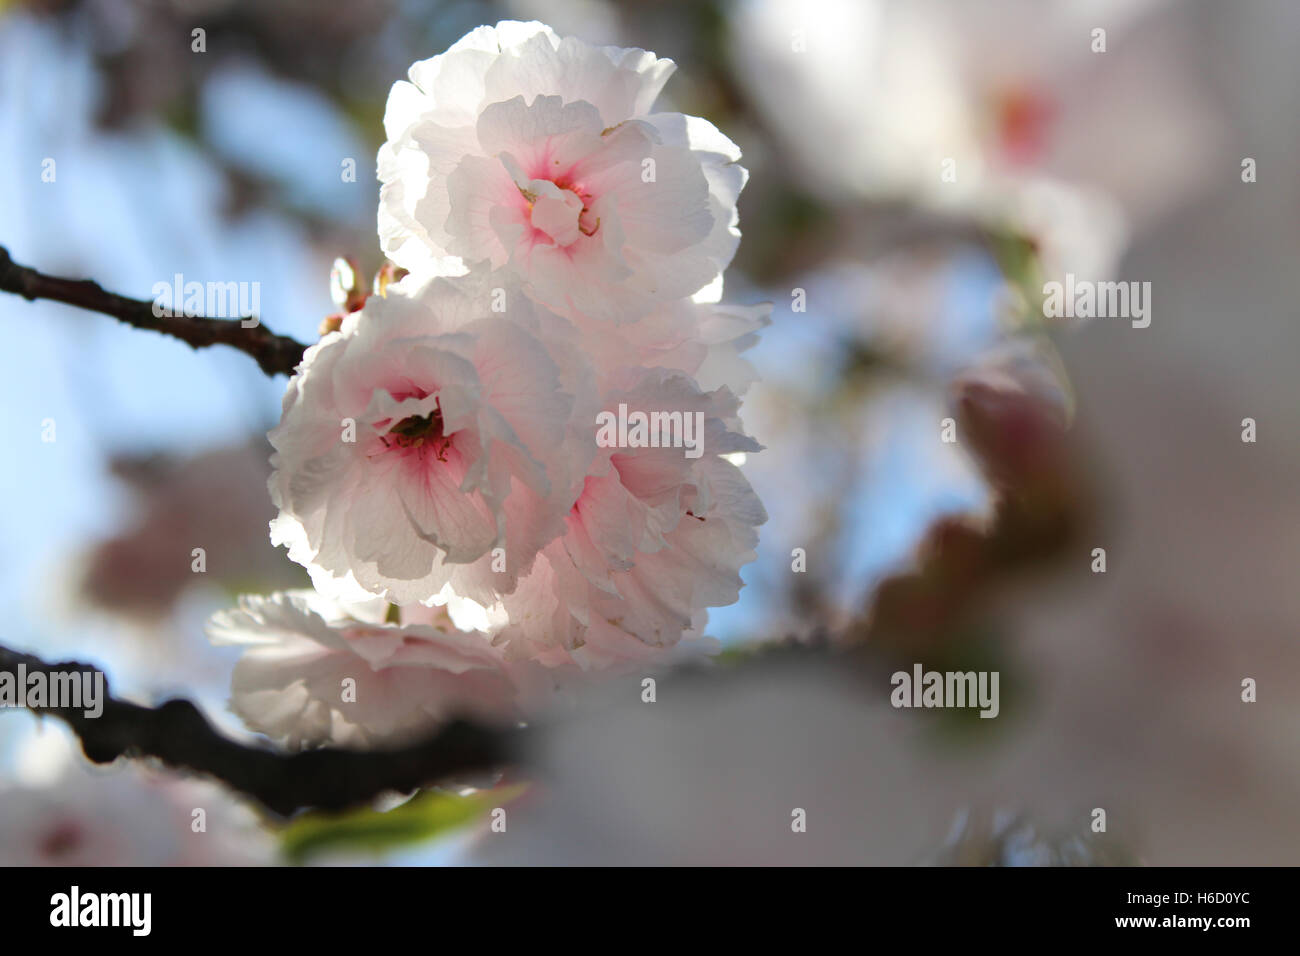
472	545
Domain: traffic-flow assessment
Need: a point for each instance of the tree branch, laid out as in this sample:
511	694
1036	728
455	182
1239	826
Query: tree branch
276	354
177	734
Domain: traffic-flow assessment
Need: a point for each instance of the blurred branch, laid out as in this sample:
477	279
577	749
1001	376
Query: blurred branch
1042	504
276	354
177	734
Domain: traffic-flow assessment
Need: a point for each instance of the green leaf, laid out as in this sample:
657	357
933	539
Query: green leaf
425	816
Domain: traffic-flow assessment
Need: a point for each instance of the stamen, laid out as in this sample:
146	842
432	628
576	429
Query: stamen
414	431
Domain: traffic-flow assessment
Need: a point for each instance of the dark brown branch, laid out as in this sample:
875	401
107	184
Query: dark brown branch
177	734
276	354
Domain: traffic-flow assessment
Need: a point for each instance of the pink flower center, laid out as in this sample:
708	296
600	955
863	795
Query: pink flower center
61	839
559	211
420	434
1022	119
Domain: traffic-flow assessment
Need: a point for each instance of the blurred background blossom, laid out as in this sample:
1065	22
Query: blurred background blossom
915	294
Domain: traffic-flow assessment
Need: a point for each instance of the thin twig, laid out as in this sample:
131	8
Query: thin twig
276	354
177	734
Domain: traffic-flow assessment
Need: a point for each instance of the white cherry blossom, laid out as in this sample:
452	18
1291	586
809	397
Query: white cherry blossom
425	434
406	676
540	154
654	539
